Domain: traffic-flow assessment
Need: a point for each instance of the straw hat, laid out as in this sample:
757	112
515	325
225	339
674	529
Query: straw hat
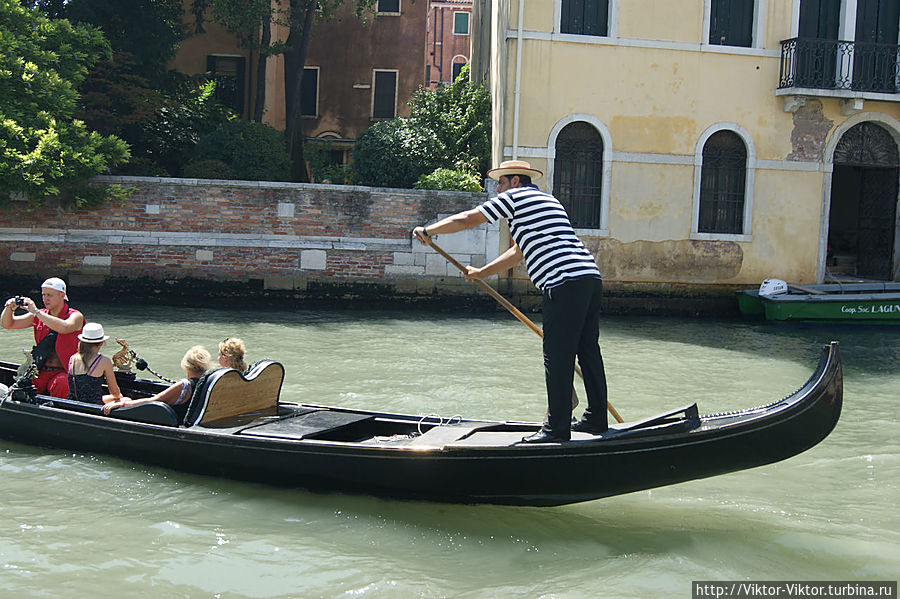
92	333
514	167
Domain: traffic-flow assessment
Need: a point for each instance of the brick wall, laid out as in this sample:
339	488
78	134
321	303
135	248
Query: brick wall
303	239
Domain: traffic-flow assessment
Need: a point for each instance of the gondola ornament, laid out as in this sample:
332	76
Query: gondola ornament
125	358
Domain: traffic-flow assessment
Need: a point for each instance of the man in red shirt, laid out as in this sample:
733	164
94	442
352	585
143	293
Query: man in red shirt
56	317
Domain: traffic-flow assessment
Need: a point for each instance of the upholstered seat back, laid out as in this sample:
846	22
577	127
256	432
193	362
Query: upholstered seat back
225	392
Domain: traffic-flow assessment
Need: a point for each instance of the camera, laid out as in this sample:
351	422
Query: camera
19	301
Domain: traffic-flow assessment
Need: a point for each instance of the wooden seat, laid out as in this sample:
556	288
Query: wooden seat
225	393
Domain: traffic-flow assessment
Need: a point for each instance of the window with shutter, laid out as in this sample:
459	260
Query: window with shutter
585	17
731	23
384	95
309	96
388	6
461	23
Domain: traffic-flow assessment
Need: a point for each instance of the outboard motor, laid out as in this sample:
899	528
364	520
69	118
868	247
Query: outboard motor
771	287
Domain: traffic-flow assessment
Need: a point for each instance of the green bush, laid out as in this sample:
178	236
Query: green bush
338	174
450	180
324	160
208	169
169	137
254	151
395	153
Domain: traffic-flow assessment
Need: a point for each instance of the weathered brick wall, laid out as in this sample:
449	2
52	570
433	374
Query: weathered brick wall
298	238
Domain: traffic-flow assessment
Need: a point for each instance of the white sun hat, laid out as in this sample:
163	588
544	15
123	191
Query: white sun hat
92	333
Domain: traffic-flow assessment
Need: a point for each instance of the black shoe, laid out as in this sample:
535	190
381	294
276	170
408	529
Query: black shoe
588	426
543	436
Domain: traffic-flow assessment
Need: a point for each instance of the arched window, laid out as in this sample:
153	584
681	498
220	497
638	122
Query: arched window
723	181
578	173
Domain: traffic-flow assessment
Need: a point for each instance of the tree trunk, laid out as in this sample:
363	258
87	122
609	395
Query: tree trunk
294	61
261	69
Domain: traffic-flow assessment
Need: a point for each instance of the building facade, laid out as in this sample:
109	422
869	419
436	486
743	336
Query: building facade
448	43
706	141
356	73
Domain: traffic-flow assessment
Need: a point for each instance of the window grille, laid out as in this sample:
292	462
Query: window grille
578	173
723	180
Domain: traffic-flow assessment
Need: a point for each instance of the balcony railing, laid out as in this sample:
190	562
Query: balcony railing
839	65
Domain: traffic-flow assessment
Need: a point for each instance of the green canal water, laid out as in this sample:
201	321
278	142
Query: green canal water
78	525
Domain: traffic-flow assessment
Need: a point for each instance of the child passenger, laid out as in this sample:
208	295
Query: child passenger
195	363
88	369
231	353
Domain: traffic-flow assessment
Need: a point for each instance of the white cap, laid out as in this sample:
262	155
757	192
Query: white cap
57	284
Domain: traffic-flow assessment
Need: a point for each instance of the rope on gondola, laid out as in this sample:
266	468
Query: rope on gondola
125	358
440	421
141	364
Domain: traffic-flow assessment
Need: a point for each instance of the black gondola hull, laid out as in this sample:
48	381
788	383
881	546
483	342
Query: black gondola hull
486	466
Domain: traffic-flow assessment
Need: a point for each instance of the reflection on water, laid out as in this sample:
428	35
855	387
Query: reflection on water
84	525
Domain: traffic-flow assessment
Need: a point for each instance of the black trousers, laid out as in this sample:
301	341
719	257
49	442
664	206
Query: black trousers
572	328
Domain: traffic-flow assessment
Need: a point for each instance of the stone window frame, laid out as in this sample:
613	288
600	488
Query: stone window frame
468	16
749	183
379	13
605	136
758	29
375	72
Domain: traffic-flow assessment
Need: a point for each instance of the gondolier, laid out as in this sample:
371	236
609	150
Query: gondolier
570	282
58	323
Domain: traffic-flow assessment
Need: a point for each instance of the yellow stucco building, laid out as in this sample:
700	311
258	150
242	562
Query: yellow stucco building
706	141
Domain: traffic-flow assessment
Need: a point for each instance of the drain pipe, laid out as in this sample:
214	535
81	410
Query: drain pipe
515	154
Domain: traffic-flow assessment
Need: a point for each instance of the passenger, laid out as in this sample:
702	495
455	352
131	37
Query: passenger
195	363
88	367
57	320
231	353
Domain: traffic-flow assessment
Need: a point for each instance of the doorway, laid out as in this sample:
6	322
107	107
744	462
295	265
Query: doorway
862	221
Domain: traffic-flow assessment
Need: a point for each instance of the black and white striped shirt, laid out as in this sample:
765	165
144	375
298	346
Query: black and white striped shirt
541	228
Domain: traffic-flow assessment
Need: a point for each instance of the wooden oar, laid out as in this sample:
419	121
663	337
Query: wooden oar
512	309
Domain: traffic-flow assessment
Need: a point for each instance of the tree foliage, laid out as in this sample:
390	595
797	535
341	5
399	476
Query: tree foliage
42	148
160	113
164	143
449	128
150	31
459	115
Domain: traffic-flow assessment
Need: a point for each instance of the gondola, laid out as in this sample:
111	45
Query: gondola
238	427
